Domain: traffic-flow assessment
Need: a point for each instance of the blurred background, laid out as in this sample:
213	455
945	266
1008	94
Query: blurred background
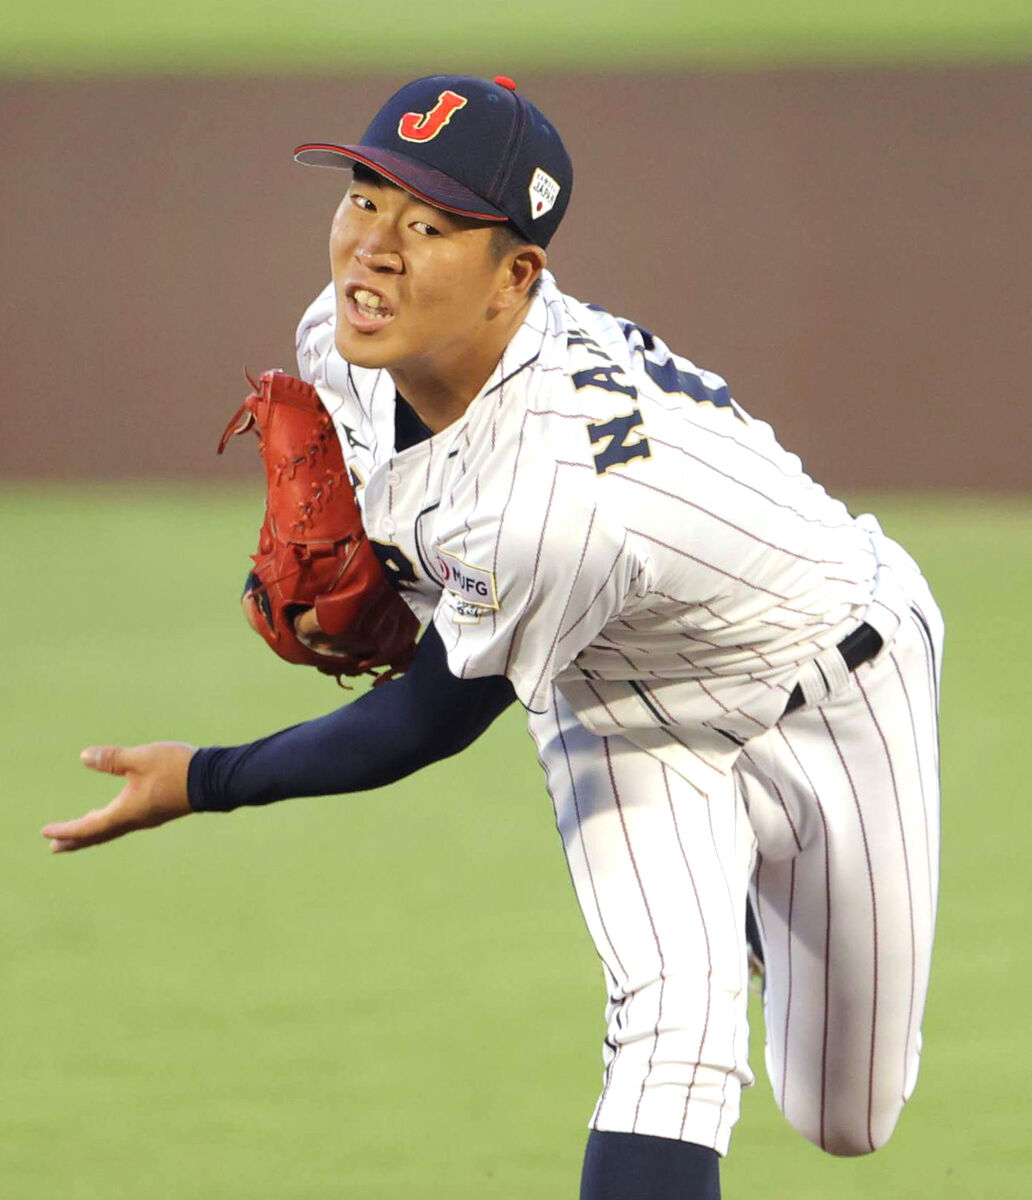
830	205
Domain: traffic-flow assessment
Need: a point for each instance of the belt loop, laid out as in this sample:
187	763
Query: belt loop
826	675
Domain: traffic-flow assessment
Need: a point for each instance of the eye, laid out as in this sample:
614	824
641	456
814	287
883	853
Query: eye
362	202
426	229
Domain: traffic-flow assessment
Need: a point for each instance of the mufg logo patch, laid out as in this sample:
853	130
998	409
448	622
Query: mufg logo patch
476	585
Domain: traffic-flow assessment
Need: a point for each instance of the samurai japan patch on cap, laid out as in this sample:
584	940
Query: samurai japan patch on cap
544	191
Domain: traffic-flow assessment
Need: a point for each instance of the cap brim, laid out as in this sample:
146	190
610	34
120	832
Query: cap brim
416	177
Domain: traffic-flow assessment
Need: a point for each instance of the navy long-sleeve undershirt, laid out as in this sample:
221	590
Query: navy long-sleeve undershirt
388	733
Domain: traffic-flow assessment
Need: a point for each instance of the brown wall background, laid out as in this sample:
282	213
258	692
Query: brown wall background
849	249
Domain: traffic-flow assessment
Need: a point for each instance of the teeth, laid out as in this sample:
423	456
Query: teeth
369	300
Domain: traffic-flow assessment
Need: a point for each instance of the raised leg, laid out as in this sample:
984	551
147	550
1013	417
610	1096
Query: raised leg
844	800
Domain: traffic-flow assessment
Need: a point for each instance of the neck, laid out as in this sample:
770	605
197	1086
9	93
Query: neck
441	388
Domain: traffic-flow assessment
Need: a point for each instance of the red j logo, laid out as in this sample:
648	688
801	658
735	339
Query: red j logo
423	127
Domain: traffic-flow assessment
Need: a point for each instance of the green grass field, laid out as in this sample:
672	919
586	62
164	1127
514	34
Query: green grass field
391	995
88	37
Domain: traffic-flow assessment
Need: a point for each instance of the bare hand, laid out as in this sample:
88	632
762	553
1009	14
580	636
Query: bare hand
306	625
154	792
310	633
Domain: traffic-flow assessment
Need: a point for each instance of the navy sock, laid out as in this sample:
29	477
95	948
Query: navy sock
636	1166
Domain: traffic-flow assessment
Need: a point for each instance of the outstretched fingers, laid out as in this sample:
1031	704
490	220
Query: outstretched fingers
96	826
155	791
67	845
99	824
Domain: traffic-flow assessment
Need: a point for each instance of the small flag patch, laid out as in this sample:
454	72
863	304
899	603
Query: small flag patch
544	191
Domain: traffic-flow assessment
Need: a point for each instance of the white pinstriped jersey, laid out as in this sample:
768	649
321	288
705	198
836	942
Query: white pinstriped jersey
654	573
605	517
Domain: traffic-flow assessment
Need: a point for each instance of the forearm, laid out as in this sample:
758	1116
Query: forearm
384	735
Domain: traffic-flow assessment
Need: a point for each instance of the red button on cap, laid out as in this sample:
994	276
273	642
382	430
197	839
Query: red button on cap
505	82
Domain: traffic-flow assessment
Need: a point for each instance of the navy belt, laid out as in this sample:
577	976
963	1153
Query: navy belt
856	648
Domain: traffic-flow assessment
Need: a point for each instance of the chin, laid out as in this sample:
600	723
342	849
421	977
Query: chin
371	352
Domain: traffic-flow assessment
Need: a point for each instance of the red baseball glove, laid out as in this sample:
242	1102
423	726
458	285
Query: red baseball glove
312	549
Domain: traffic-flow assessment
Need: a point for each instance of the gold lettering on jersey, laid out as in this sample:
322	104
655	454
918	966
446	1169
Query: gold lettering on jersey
577	337
607	376
474	585
616	437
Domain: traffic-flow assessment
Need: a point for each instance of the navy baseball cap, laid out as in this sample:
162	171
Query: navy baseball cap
470	146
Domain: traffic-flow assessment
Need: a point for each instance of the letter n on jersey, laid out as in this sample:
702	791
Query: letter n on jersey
619	448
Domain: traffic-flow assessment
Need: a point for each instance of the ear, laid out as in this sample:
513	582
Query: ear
522	268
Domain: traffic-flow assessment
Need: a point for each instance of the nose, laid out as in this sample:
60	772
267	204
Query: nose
372	240
375	254
382	261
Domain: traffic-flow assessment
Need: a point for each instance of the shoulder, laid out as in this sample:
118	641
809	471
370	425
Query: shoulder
564	412
653	366
583	381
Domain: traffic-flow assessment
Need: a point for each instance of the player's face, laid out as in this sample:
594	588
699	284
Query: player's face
419	290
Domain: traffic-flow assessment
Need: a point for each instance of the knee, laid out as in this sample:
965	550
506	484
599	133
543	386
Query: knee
851	1135
846	1142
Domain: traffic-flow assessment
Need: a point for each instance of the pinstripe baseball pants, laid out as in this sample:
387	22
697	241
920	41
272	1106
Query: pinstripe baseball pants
830	820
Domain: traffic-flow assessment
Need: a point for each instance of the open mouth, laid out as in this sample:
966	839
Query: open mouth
367	309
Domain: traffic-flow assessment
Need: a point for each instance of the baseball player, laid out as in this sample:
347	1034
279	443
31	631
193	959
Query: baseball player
731	681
